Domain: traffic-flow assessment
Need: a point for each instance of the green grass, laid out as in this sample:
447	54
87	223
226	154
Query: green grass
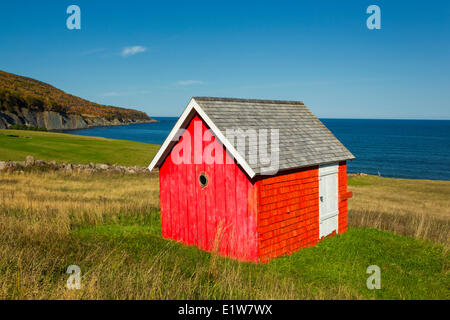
17	144
410	268
110	226
357	181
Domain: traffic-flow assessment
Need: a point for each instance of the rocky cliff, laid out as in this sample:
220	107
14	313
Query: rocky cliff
27	101
52	120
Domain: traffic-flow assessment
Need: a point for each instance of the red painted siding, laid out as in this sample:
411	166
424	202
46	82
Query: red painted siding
236	217
288	213
342	222
220	217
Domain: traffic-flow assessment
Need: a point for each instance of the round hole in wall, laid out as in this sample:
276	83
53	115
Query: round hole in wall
203	180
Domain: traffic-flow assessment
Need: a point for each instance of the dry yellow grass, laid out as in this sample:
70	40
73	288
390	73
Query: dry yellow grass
49	203
108	224
40	211
417	208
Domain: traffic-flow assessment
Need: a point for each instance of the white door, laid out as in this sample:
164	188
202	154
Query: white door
328	199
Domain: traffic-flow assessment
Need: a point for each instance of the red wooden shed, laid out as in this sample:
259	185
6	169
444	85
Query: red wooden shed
251	179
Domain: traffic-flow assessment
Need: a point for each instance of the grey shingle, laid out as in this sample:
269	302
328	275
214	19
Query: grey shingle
303	139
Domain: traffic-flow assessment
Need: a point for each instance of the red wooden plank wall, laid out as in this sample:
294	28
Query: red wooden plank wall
220	217
288	213
234	217
342	222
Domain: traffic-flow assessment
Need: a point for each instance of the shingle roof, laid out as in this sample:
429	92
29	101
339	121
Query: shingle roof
303	139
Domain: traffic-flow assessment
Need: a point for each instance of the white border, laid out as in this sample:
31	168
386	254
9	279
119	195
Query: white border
194	106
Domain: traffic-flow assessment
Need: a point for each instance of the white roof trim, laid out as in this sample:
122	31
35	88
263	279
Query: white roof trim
178	125
194	106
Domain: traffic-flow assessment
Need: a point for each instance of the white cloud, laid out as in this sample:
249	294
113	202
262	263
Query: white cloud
131	51
188	82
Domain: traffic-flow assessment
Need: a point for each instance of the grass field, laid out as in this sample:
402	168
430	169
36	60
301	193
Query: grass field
109	225
17	144
417	208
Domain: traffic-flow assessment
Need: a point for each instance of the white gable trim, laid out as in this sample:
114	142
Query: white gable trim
180	122
194	106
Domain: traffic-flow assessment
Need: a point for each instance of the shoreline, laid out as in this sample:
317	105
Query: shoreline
13	150
100	126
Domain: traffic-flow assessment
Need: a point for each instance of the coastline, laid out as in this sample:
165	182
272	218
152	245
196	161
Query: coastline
52	120
421	158
102	126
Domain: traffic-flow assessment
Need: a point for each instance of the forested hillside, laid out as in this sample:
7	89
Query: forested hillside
22	92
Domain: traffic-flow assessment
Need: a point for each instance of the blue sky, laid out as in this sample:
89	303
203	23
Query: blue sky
153	56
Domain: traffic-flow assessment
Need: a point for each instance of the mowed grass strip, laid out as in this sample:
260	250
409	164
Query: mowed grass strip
109	225
17	144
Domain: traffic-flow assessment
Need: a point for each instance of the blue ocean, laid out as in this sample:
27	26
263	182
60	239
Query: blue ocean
413	149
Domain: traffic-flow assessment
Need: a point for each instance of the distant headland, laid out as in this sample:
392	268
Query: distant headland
26	101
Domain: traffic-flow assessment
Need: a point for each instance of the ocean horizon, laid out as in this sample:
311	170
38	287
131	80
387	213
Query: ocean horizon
397	148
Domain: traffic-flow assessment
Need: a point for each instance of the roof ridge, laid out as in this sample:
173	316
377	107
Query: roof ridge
248	100
303	140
